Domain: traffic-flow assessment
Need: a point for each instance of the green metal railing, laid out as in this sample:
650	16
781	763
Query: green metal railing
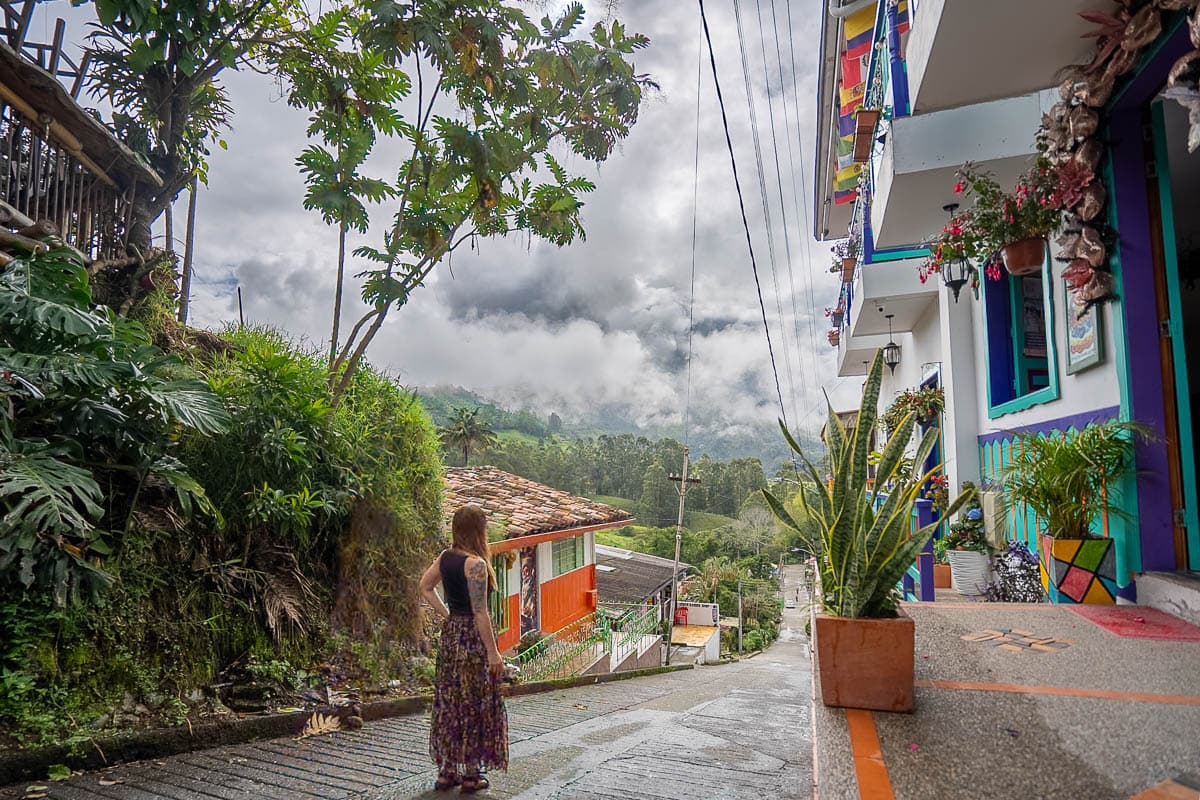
628	626
561	653
616	629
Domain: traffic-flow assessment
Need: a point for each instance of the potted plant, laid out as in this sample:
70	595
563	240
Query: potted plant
941	566
956	241
845	253
925	404
863	543
836	314
835	336
966	548
1016	223
1068	480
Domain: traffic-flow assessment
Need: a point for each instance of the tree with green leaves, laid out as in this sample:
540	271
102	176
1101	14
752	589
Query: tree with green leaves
519	91
467	432
351	94
659	502
157	64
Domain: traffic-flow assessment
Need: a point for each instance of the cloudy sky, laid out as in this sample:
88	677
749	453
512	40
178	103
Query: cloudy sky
602	323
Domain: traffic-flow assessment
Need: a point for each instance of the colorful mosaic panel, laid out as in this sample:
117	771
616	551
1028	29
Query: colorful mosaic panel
1079	570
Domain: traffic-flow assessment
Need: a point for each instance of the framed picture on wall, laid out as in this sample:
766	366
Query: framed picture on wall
1085	341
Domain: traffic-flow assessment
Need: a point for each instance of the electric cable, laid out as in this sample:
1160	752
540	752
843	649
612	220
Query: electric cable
712	59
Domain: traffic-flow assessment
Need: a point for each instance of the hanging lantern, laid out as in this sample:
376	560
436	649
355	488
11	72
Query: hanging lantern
891	350
955	271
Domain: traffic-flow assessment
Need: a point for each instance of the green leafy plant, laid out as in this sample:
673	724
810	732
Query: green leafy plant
90	415
999	218
1069	479
862	538
968	532
923	404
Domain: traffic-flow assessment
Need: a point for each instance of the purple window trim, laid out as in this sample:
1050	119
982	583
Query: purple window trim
1075	421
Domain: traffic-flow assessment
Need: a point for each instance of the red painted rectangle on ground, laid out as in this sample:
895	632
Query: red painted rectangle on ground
1138	622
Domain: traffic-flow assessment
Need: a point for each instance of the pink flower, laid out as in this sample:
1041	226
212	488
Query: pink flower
993	271
958	187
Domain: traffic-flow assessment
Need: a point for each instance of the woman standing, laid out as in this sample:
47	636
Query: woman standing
469	731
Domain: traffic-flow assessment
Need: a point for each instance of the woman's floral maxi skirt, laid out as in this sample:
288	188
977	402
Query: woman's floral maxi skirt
470	726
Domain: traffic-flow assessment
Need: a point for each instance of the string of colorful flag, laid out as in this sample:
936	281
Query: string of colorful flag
859	33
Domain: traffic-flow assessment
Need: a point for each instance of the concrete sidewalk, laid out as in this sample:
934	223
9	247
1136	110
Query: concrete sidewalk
1089	715
737	731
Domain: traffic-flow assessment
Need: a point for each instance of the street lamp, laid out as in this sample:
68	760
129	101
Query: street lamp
955	271
891	350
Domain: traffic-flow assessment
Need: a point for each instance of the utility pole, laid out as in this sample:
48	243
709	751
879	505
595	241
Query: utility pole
683	481
739	616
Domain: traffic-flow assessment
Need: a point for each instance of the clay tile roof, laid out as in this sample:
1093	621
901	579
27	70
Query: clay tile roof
523	506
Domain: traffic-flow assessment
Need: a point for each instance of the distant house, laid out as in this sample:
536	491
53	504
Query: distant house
629	577
545	555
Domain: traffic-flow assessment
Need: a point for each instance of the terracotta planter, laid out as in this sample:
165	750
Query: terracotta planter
968	571
866	663
1026	257
835	337
848	265
865	120
941	576
1078	570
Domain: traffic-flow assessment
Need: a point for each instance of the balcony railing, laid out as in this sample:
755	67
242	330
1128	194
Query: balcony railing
564	652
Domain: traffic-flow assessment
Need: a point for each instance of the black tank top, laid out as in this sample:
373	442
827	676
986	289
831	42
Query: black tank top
452	565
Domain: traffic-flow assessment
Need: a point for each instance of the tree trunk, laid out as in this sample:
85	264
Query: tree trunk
337	292
169	228
185	280
466	450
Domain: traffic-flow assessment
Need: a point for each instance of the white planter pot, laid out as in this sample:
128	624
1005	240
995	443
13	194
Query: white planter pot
969	571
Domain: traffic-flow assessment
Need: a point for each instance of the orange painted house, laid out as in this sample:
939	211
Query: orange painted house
545	560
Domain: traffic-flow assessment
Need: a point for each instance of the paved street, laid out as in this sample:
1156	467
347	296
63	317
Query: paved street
735	731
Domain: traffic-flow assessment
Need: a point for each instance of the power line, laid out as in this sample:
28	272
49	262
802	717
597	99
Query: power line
687	403
762	188
805	255
812	306
787	239
712	60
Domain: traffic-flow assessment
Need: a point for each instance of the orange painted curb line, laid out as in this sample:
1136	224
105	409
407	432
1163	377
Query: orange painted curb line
1062	691
935	605
869	767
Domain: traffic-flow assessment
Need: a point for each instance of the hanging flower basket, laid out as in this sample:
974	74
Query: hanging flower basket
865	120
836	318
835	337
1025	257
848	265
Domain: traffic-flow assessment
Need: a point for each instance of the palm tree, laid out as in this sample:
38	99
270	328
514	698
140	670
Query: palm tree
466	431
705	585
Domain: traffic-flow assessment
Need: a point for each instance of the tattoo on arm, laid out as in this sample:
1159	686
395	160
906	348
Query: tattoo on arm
477	581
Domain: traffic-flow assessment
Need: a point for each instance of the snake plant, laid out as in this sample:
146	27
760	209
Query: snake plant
863	537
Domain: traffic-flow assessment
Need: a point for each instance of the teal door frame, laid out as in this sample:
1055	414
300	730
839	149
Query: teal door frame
1183	402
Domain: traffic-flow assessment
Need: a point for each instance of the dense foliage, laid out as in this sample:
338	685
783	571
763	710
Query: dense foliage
268	535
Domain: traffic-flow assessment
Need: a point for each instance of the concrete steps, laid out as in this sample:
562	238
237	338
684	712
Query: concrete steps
1175	593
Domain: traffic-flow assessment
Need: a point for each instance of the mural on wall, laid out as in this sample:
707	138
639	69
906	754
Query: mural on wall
1084	340
529	591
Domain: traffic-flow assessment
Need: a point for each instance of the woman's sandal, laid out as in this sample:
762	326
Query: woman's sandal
473	784
446	782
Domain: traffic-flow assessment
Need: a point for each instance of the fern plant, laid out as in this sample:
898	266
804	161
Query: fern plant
862	537
1069	480
89	409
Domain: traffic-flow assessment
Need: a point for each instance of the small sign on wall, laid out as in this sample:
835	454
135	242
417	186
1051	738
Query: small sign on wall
1085	340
